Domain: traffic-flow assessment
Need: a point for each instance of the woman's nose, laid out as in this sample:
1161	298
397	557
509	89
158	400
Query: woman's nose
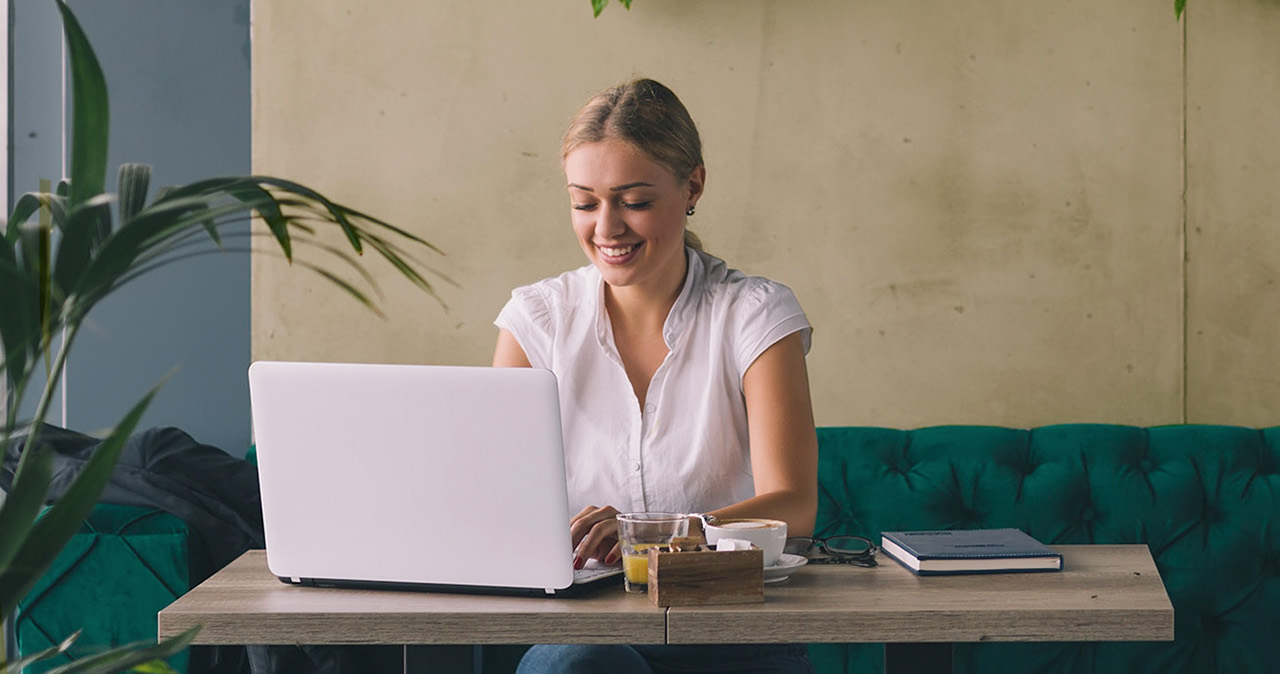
609	223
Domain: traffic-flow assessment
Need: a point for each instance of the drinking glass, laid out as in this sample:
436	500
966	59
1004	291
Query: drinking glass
637	532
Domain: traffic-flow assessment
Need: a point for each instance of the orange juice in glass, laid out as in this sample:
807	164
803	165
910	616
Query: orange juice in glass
637	532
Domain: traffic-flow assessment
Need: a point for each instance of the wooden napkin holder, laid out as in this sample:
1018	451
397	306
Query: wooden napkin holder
706	577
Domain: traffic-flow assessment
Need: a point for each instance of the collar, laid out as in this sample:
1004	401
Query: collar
681	314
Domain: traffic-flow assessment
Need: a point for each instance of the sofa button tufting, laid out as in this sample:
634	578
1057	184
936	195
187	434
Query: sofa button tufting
1146	465
1087	515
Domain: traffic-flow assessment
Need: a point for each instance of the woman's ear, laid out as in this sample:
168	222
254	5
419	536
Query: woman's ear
697	182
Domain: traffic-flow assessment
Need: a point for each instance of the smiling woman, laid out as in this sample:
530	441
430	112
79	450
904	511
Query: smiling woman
628	213
682	382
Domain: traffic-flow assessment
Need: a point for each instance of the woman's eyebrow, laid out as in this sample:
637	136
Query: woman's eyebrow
628	186
619	188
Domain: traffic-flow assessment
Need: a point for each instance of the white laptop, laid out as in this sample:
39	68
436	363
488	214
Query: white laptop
414	477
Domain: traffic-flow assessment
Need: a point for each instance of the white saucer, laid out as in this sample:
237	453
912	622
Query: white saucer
785	566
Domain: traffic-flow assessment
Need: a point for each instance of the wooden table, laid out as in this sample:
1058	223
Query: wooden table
1105	593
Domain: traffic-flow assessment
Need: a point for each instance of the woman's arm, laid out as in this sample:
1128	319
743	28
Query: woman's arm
509	353
784	443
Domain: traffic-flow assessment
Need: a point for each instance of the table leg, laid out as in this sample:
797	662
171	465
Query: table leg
918	657
441	659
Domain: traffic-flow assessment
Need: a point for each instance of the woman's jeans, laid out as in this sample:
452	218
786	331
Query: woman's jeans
757	658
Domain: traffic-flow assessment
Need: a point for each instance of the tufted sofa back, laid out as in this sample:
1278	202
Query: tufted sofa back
1204	499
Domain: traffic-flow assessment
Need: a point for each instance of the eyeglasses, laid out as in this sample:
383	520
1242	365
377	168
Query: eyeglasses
854	550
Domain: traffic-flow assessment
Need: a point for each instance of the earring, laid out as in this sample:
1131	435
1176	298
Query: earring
690	211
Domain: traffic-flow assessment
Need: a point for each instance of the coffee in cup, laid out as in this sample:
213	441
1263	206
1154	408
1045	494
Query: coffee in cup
768	535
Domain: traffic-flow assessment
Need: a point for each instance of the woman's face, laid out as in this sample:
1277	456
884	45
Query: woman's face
629	213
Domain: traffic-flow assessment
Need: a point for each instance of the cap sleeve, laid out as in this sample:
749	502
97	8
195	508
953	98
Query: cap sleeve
527	316
768	312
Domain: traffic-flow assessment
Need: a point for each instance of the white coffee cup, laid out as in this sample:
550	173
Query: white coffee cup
768	535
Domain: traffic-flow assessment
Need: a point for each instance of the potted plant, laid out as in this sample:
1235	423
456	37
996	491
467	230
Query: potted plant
54	270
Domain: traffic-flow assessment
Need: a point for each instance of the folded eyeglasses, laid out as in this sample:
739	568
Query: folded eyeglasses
854	550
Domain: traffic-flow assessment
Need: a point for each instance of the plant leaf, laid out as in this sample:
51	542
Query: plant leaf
369	218
343	284
45	654
267	207
26	207
338	213
52	531
597	6
126	658
1178	6
153	228
154	667
90	118
79	237
134	181
44	282
402	266
18	316
22	506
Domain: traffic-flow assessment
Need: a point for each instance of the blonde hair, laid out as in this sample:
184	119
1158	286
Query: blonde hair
648	115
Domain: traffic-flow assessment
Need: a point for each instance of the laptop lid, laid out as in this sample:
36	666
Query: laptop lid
416	476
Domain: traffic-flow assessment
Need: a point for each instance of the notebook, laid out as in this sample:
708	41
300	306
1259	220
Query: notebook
969	551
414	477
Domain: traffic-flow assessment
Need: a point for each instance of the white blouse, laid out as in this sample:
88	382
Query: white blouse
688	450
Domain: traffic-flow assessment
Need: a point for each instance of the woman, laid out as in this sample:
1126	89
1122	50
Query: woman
682	382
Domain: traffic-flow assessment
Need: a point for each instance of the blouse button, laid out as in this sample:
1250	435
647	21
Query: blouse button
636	466
650	408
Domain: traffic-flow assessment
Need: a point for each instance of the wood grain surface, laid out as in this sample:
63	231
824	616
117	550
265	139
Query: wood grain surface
1105	593
245	604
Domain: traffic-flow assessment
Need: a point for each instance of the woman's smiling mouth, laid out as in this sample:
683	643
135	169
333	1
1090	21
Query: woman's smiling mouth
618	254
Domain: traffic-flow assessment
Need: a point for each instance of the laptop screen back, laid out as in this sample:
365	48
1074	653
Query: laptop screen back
412	474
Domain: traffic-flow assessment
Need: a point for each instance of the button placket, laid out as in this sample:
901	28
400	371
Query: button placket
636	451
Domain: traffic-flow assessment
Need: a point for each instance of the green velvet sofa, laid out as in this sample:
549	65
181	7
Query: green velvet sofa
1204	499
123	566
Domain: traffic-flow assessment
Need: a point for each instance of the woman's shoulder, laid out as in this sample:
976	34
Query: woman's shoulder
724	284
569	288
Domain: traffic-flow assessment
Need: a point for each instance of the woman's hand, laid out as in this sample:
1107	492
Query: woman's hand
594	533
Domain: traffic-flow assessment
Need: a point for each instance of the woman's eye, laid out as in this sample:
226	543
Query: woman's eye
584	207
638	206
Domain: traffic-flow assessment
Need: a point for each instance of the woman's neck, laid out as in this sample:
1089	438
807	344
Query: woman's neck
645	305
638	315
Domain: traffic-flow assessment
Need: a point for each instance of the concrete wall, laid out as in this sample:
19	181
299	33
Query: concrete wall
988	208
1233	209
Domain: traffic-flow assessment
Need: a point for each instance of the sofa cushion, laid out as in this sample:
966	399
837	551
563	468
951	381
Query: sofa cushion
125	563
1203	498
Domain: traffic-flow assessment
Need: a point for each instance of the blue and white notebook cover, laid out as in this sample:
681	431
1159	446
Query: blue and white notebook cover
969	551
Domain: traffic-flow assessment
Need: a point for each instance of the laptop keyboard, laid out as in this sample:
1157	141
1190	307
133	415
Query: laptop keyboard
594	570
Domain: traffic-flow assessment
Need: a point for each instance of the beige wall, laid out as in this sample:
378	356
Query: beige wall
981	204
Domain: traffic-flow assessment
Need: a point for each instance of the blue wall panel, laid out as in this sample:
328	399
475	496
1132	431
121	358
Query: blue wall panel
178	79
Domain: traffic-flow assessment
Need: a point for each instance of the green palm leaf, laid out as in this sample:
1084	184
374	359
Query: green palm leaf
52	651
22	506
19	318
90	119
133	182
79	238
126	658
